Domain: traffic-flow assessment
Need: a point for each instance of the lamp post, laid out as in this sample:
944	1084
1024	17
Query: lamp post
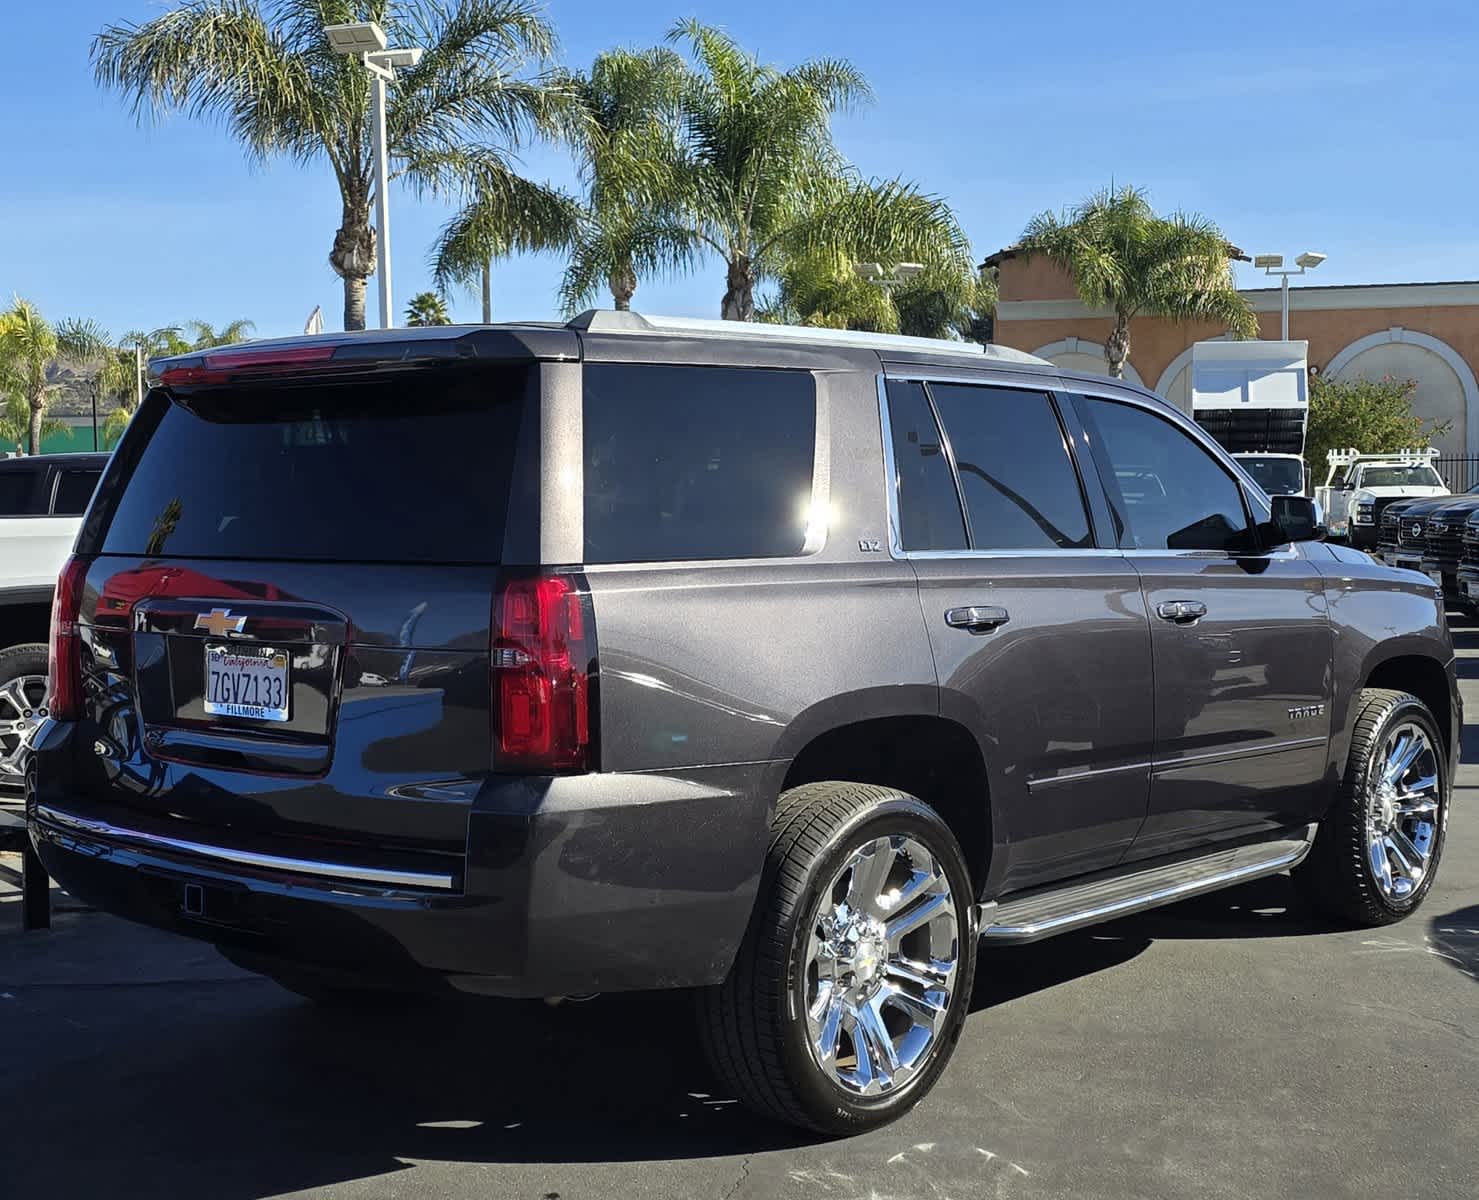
366	41
1273	264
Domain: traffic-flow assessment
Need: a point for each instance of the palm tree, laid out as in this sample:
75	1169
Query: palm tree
164	342
831	294
939	302
427	308
761	183
15	423
269	76
1122	255
498	221
946	303
31	347
205	336
628	156
110	369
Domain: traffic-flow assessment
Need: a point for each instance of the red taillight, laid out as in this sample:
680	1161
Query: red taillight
542	655
221	365
64	653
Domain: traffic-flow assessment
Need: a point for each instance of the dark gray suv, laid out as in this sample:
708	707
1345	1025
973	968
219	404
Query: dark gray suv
782	665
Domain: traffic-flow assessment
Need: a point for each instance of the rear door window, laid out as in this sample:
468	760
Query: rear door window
1018	479
413	467
928	502
687	463
73	491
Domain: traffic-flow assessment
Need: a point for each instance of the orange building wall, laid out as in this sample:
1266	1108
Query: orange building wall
1154	341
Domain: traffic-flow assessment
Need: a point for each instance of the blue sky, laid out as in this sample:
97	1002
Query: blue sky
1345	127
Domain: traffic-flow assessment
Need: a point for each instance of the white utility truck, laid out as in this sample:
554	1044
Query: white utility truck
1252	396
1358	486
42	500
1276	474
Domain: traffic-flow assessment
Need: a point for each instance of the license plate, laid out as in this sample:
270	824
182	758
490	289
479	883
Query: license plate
1471	590
1409	564
246	681
1435	576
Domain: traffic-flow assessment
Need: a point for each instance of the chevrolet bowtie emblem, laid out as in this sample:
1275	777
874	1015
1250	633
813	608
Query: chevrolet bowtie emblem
219	622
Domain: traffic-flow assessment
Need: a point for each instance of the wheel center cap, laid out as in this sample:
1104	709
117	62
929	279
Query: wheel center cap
863	952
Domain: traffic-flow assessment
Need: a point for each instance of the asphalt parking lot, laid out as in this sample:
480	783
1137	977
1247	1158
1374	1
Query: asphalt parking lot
1228	1047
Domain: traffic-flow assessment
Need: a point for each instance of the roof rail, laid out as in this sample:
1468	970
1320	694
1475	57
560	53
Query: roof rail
607	320
1412	456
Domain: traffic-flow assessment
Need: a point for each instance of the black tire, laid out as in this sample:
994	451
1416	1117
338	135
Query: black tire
753	1024
1338	877
15	663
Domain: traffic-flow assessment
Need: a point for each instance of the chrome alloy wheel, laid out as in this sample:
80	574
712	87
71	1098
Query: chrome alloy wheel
1403	810
22	708
883	944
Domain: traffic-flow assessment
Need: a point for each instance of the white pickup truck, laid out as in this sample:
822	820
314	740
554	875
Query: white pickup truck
42	500
1358	486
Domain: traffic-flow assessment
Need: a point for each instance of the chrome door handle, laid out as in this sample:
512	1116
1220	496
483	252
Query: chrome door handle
1182	612
978	618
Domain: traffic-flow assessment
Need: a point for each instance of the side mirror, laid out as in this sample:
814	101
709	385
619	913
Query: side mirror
1347	485
1294	519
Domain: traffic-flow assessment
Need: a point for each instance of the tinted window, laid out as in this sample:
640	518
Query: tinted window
929	506
1021	491
1174	494
16	488
73	490
1276	476
410	468
1401	477
696	462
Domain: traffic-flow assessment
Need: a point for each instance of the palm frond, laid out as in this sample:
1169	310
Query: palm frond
15	424
889	221
204	335
220	60
505	214
616	245
1121	254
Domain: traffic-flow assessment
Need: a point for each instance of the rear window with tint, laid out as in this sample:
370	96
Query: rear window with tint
408	468
73	490
16	489
696	462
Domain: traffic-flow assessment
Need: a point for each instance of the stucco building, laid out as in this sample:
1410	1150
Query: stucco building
1428	332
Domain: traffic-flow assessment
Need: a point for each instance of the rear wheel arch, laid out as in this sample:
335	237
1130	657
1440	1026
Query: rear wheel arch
925	755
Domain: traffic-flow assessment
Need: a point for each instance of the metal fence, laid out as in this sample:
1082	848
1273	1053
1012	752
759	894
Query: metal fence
1459	473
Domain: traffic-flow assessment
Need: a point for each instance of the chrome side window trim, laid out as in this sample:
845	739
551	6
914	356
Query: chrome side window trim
891	473
819	521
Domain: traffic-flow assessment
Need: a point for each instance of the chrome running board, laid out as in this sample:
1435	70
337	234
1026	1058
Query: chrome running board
1046	912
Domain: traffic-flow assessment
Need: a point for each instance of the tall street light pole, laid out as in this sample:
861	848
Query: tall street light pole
366	41
1273	264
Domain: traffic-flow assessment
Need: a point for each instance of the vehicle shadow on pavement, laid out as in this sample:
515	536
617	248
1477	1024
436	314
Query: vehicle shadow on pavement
1454	937
1262	908
239	1090
1269	907
230	1087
